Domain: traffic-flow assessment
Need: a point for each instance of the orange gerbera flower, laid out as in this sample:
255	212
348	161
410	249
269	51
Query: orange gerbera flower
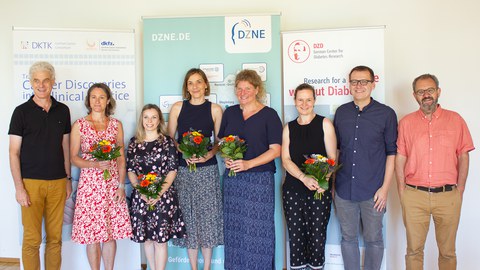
197	140
331	162
310	161
230	139
106	149
144	183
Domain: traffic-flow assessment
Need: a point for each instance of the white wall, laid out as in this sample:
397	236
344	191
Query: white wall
434	36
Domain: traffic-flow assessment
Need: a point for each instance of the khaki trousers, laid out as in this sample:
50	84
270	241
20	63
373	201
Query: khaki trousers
417	207
47	201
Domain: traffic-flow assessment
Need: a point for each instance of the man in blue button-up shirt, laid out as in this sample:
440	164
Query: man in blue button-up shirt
366	134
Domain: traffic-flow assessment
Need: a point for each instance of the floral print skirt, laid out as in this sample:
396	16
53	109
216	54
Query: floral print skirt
161	224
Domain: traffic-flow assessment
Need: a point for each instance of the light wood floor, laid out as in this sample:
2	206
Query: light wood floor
9	266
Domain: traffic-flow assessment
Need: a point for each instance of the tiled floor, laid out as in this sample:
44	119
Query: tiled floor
9	266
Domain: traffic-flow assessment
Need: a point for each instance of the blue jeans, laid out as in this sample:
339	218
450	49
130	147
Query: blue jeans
350	214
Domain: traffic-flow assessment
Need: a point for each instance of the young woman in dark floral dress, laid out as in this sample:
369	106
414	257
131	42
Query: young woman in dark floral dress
153	151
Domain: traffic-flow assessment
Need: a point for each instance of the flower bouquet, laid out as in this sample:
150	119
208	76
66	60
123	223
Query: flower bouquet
105	150
150	185
194	143
319	168
232	147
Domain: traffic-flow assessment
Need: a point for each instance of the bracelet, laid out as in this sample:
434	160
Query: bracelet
69	178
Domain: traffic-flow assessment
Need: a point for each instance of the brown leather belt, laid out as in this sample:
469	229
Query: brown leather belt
433	189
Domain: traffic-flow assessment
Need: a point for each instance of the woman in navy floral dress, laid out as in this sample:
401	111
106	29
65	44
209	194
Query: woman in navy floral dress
152	151
249	197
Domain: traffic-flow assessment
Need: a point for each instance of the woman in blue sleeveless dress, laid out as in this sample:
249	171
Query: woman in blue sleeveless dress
199	191
306	217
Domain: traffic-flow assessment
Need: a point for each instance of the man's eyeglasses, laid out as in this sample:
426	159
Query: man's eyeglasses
361	82
422	92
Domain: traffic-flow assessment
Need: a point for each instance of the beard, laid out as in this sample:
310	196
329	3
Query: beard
428	108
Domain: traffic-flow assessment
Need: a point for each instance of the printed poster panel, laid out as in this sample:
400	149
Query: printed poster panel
323	59
82	58
221	46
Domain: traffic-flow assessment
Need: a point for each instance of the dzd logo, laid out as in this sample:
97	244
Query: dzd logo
298	51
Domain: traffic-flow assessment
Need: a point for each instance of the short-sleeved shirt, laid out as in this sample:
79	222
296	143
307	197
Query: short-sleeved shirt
432	147
41	153
259	131
365	138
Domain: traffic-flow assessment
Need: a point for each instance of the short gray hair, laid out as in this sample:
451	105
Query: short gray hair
425	77
42	66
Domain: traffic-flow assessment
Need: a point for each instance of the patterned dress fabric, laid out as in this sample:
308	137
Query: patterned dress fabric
165	221
199	191
201	202
98	218
249	197
249	206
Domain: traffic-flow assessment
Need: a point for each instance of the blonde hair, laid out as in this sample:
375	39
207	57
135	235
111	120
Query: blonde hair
140	131
253	78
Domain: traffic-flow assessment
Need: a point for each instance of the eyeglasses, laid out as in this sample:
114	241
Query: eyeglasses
361	82
422	92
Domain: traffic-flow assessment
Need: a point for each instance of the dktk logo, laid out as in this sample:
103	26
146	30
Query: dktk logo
298	51
36	45
25	45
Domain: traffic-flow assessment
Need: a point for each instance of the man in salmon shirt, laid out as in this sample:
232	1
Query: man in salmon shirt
431	168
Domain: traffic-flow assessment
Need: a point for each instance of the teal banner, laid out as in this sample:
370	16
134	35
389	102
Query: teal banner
221	46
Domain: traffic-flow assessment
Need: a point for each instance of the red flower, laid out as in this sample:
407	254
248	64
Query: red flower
310	161
106	149
184	134
140	176
144	183
331	162
197	140
230	139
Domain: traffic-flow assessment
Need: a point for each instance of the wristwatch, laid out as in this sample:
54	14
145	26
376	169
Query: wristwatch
120	185
69	178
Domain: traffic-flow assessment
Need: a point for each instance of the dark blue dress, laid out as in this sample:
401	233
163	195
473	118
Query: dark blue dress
249	197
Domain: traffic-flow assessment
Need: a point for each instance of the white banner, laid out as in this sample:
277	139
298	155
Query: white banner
82	58
323	59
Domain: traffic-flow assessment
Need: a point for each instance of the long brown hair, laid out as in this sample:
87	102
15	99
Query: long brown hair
185	93
110	109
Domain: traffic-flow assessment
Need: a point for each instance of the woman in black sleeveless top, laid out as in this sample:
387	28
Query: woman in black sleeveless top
306	218
198	191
